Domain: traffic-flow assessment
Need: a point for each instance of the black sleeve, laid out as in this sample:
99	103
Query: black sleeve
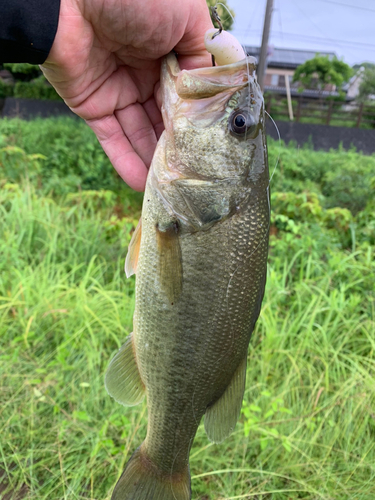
27	29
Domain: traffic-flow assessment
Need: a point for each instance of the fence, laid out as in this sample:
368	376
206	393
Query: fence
322	111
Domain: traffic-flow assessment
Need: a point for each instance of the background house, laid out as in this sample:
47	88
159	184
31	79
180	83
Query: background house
282	63
352	86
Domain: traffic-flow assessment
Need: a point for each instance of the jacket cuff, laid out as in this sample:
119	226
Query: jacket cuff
27	30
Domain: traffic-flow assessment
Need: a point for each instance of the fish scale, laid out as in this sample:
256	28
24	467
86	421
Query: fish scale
204	324
201	255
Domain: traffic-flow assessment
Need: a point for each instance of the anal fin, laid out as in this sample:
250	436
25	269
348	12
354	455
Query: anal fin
221	417
122	379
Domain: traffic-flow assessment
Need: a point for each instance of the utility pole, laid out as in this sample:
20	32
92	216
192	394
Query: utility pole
263	50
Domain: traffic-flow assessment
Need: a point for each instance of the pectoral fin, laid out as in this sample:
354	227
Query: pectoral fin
207	202
131	260
122	379
221	418
170	260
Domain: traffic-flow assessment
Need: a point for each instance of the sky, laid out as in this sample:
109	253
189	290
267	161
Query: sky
346	27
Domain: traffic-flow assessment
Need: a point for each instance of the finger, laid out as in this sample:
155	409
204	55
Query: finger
191	49
116	92
153	111
120	152
139	131
195	61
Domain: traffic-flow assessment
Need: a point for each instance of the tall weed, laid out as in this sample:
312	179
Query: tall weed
307	424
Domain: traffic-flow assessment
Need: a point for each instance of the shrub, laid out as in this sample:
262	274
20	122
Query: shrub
6	89
36	89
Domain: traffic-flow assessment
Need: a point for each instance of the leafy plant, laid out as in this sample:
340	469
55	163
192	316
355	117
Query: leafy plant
306	427
349	185
321	71
225	12
259	420
6	89
23	71
38	88
17	166
30	83
367	85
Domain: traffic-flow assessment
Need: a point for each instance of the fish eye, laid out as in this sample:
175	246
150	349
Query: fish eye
242	122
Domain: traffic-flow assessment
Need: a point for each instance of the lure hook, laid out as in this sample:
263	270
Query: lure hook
216	18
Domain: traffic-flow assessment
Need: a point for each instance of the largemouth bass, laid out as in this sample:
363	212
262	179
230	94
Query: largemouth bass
200	256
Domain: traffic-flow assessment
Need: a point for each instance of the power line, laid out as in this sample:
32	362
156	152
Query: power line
279	14
346	5
309	19
312	38
327	38
253	16
337	41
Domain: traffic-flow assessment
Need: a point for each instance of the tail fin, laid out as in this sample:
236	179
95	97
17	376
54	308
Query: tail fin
142	480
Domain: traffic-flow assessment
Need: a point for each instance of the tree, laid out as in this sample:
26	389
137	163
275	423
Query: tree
321	71
367	85
23	71
29	83
225	17
365	65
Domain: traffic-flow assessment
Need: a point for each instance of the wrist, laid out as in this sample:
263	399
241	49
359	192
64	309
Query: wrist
70	18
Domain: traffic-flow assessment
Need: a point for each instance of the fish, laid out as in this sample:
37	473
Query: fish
199	254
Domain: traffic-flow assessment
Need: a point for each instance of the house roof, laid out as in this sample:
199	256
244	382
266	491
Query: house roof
287	58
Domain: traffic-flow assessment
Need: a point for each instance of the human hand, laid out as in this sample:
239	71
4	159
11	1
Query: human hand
105	64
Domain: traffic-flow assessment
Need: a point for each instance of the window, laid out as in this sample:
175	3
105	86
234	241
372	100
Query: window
274	80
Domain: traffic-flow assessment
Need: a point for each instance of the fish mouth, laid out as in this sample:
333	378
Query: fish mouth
207	82
199	97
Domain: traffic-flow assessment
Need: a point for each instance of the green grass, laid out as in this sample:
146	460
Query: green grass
307	429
